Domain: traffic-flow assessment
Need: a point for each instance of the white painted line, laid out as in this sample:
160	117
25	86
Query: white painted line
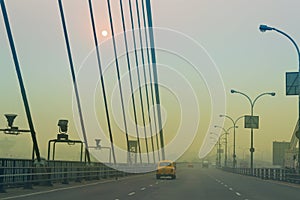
143	188
222	183
225	185
150	185
230	189
55	190
131	193
238	194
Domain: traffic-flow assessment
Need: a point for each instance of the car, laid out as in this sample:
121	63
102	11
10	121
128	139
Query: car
166	168
190	165
205	164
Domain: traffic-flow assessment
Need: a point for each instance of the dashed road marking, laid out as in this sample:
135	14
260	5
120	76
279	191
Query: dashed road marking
230	189
238	194
143	188
150	185
226	185
131	194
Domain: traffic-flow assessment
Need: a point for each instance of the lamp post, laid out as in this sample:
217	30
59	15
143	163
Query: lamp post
218	148
252	103
226	132
264	28
234	122
98	146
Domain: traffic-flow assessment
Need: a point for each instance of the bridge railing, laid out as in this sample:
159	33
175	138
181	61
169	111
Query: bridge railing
25	173
278	174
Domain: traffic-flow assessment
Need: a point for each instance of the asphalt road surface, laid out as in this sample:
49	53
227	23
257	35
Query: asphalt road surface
191	183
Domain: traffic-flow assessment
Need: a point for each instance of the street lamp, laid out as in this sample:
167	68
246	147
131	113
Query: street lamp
218	147
234	122
264	28
11	129
226	132
98	146
63	138
252	103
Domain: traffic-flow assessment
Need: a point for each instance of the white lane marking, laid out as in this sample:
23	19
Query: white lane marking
238	194
143	188
131	193
230	189
222	183
225	185
150	185
55	190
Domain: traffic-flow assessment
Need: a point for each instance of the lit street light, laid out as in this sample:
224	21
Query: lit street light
252	103
264	28
234	122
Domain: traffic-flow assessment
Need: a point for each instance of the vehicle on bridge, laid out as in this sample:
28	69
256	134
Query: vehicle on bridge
205	164
166	168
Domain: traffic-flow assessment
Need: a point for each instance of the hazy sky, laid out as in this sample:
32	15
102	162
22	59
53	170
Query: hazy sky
247	60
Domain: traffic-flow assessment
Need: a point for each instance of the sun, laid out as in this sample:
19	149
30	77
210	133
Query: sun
104	33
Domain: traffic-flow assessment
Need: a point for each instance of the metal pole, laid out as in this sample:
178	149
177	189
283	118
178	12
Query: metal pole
219	152
234	155
298	53
225	161
21	84
252	148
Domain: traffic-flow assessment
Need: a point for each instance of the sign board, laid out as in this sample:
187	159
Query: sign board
292	83
251	121
133	146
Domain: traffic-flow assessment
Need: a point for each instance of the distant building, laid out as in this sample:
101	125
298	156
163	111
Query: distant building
279	150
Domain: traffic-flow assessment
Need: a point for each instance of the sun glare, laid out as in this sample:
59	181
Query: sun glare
104	33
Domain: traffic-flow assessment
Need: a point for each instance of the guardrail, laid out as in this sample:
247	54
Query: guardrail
25	173
278	174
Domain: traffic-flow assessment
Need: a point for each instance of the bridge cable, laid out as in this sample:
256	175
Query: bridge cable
102	80
138	73
118	75
155	75
145	77
130	78
21	83
87	155
150	76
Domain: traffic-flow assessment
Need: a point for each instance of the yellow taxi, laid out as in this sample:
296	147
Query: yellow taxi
166	168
